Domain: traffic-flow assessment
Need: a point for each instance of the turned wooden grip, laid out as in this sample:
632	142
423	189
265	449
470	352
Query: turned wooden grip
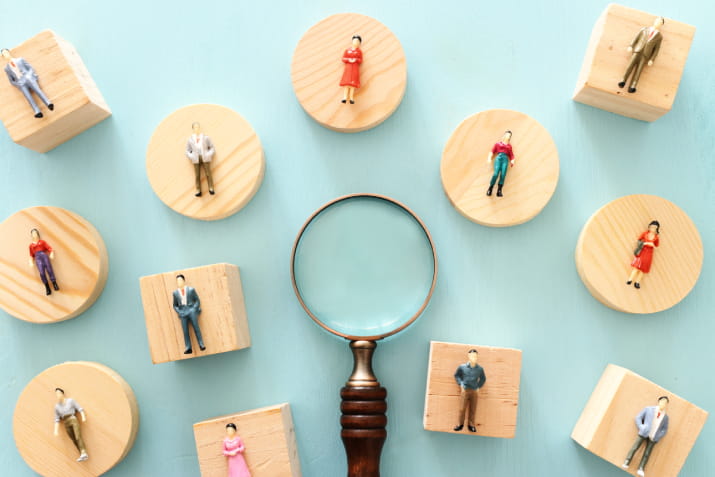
364	432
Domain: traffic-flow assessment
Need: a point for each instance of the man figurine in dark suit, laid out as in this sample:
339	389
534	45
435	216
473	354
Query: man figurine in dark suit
652	424
22	76
188	307
470	377
644	48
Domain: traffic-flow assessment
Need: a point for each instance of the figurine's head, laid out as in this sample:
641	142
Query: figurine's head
472	355
180	281
654	226
5	53
35	234
357	41
658	22
663	402
231	429
60	394
196	127
506	138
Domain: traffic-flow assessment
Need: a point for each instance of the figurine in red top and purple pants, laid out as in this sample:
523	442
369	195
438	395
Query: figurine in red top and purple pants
351	74
643	254
505	156
40	255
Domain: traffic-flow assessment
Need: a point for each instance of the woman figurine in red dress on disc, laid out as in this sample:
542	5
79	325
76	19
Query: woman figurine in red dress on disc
233	449
351	75
643	254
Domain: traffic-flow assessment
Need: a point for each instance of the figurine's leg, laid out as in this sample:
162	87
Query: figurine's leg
493	180
30	99
187	339
345	94
43	263
352	95
472	409
209	177
629	69
646	454
72	427
463	401
637	75
197	330
503	168
35	86
197	173
634	271
631	453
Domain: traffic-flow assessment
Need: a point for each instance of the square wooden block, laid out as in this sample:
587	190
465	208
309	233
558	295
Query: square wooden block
65	80
497	401
222	321
267	434
607	424
607	59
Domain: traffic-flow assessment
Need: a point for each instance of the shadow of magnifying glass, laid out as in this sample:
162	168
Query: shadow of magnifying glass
363	268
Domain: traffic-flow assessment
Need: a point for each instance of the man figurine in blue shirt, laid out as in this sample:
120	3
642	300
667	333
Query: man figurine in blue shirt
652	424
470	377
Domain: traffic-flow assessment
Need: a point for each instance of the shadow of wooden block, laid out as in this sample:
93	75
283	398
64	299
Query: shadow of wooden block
607	424
267	434
223	321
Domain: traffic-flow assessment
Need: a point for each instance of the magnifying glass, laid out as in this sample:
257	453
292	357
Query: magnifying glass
364	268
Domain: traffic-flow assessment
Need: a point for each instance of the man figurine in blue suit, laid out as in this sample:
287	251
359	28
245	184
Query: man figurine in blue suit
652	424
470	377
22	76
188	307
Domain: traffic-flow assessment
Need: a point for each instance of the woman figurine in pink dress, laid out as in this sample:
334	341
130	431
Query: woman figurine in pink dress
233	449
351	74
643	254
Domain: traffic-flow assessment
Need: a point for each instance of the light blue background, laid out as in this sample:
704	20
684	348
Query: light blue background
514	287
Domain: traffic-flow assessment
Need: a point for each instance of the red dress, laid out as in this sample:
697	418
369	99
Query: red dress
643	260
351	74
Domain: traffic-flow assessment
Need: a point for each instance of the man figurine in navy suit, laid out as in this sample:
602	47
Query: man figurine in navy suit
470	377
652	424
188	307
22	76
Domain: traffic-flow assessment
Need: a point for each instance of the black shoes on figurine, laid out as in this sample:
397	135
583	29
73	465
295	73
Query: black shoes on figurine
211	191
472	428
629	282
459	427
47	289
54	285
38	115
631	90
352	101
499	194
637	285
344	101
198	194
621	84
51	106
202	348
188	351
489	191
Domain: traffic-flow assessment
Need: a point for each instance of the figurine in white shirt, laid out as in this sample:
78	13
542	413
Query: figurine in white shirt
200	150
22	75
652	424
65	411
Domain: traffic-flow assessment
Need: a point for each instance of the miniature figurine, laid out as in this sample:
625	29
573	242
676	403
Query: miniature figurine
351	74
200	150
643	254
644	48
505	155
38	256
23	76
233	449
65	410
652	424
470	377
188	307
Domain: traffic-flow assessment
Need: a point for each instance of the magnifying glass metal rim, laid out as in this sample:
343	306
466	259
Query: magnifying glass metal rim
315	318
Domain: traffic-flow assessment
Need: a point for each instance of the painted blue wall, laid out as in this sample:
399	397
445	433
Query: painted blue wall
514	287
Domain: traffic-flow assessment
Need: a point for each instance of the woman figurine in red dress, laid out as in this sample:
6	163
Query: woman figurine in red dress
40	255
643	254
351	75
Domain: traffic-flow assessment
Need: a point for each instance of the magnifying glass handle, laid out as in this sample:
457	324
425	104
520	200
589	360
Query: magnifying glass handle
363	418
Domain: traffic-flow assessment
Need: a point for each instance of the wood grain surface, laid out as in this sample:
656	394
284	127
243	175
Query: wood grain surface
317	68
237	167
81	265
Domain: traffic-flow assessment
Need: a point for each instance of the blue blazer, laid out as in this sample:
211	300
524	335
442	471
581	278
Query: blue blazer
644	421
193	304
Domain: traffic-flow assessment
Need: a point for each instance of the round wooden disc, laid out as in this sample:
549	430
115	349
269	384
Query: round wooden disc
237	167
529	184
109	432
81	265
317	69
605	250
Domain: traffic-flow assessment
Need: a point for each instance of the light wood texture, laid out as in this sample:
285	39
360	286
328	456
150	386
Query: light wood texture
237	167
81	265
529	185
605	250
267	433
317	69
223	320
607	424
109	432
607	58
498	399
67	83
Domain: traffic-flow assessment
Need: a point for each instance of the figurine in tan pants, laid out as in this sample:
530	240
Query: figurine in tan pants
644	49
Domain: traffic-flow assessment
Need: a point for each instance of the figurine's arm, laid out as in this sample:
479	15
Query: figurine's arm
197	302
84	416
346	59
482	380
11	78
640	420
209	147
359	57
511	157
458	377
655	53
189	149
227	452
176	303
49	249
57	429
489	157
635	40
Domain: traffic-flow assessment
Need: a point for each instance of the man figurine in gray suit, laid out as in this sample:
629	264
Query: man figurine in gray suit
188	307
652	424
644	48
470	377
22	76
200	150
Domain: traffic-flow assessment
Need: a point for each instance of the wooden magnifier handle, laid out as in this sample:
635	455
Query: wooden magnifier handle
363	418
